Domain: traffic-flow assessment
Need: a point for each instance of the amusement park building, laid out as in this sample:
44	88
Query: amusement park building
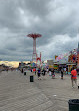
57	65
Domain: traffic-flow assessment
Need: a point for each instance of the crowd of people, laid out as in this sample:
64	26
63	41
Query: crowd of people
41	72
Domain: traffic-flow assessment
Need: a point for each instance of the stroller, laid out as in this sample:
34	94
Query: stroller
53	74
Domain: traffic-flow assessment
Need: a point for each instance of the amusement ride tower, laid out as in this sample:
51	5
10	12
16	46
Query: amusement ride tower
34	37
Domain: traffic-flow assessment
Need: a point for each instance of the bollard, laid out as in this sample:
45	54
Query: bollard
74	105
31	78
24	73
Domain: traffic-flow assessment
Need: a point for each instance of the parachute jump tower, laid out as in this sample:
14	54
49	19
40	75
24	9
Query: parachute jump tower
34	56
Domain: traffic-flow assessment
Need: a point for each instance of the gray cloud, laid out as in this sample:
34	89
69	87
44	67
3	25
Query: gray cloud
56	20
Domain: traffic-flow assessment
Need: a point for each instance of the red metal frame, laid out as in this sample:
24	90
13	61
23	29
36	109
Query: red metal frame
34	36
38	58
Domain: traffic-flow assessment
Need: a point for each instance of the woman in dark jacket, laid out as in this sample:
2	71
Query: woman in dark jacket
61	73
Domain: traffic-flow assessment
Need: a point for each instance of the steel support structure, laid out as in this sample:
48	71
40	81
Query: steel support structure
34	37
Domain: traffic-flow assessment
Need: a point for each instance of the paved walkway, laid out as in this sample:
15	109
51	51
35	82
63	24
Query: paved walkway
17	93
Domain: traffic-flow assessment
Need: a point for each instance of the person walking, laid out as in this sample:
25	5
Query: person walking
49	72
43	73
65	70
39	73
31	70
22	70
73	77
35	70
62	73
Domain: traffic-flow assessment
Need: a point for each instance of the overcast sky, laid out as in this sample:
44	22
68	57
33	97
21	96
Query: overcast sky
56	20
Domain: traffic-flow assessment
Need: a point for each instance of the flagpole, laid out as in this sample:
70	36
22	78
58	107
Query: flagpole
78	51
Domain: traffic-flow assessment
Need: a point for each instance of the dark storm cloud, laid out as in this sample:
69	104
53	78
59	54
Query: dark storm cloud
54	19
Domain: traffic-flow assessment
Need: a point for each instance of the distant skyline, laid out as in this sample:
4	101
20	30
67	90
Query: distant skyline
56	20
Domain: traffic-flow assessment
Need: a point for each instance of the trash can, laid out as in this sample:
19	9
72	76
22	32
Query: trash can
73	105
31	78
24	73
